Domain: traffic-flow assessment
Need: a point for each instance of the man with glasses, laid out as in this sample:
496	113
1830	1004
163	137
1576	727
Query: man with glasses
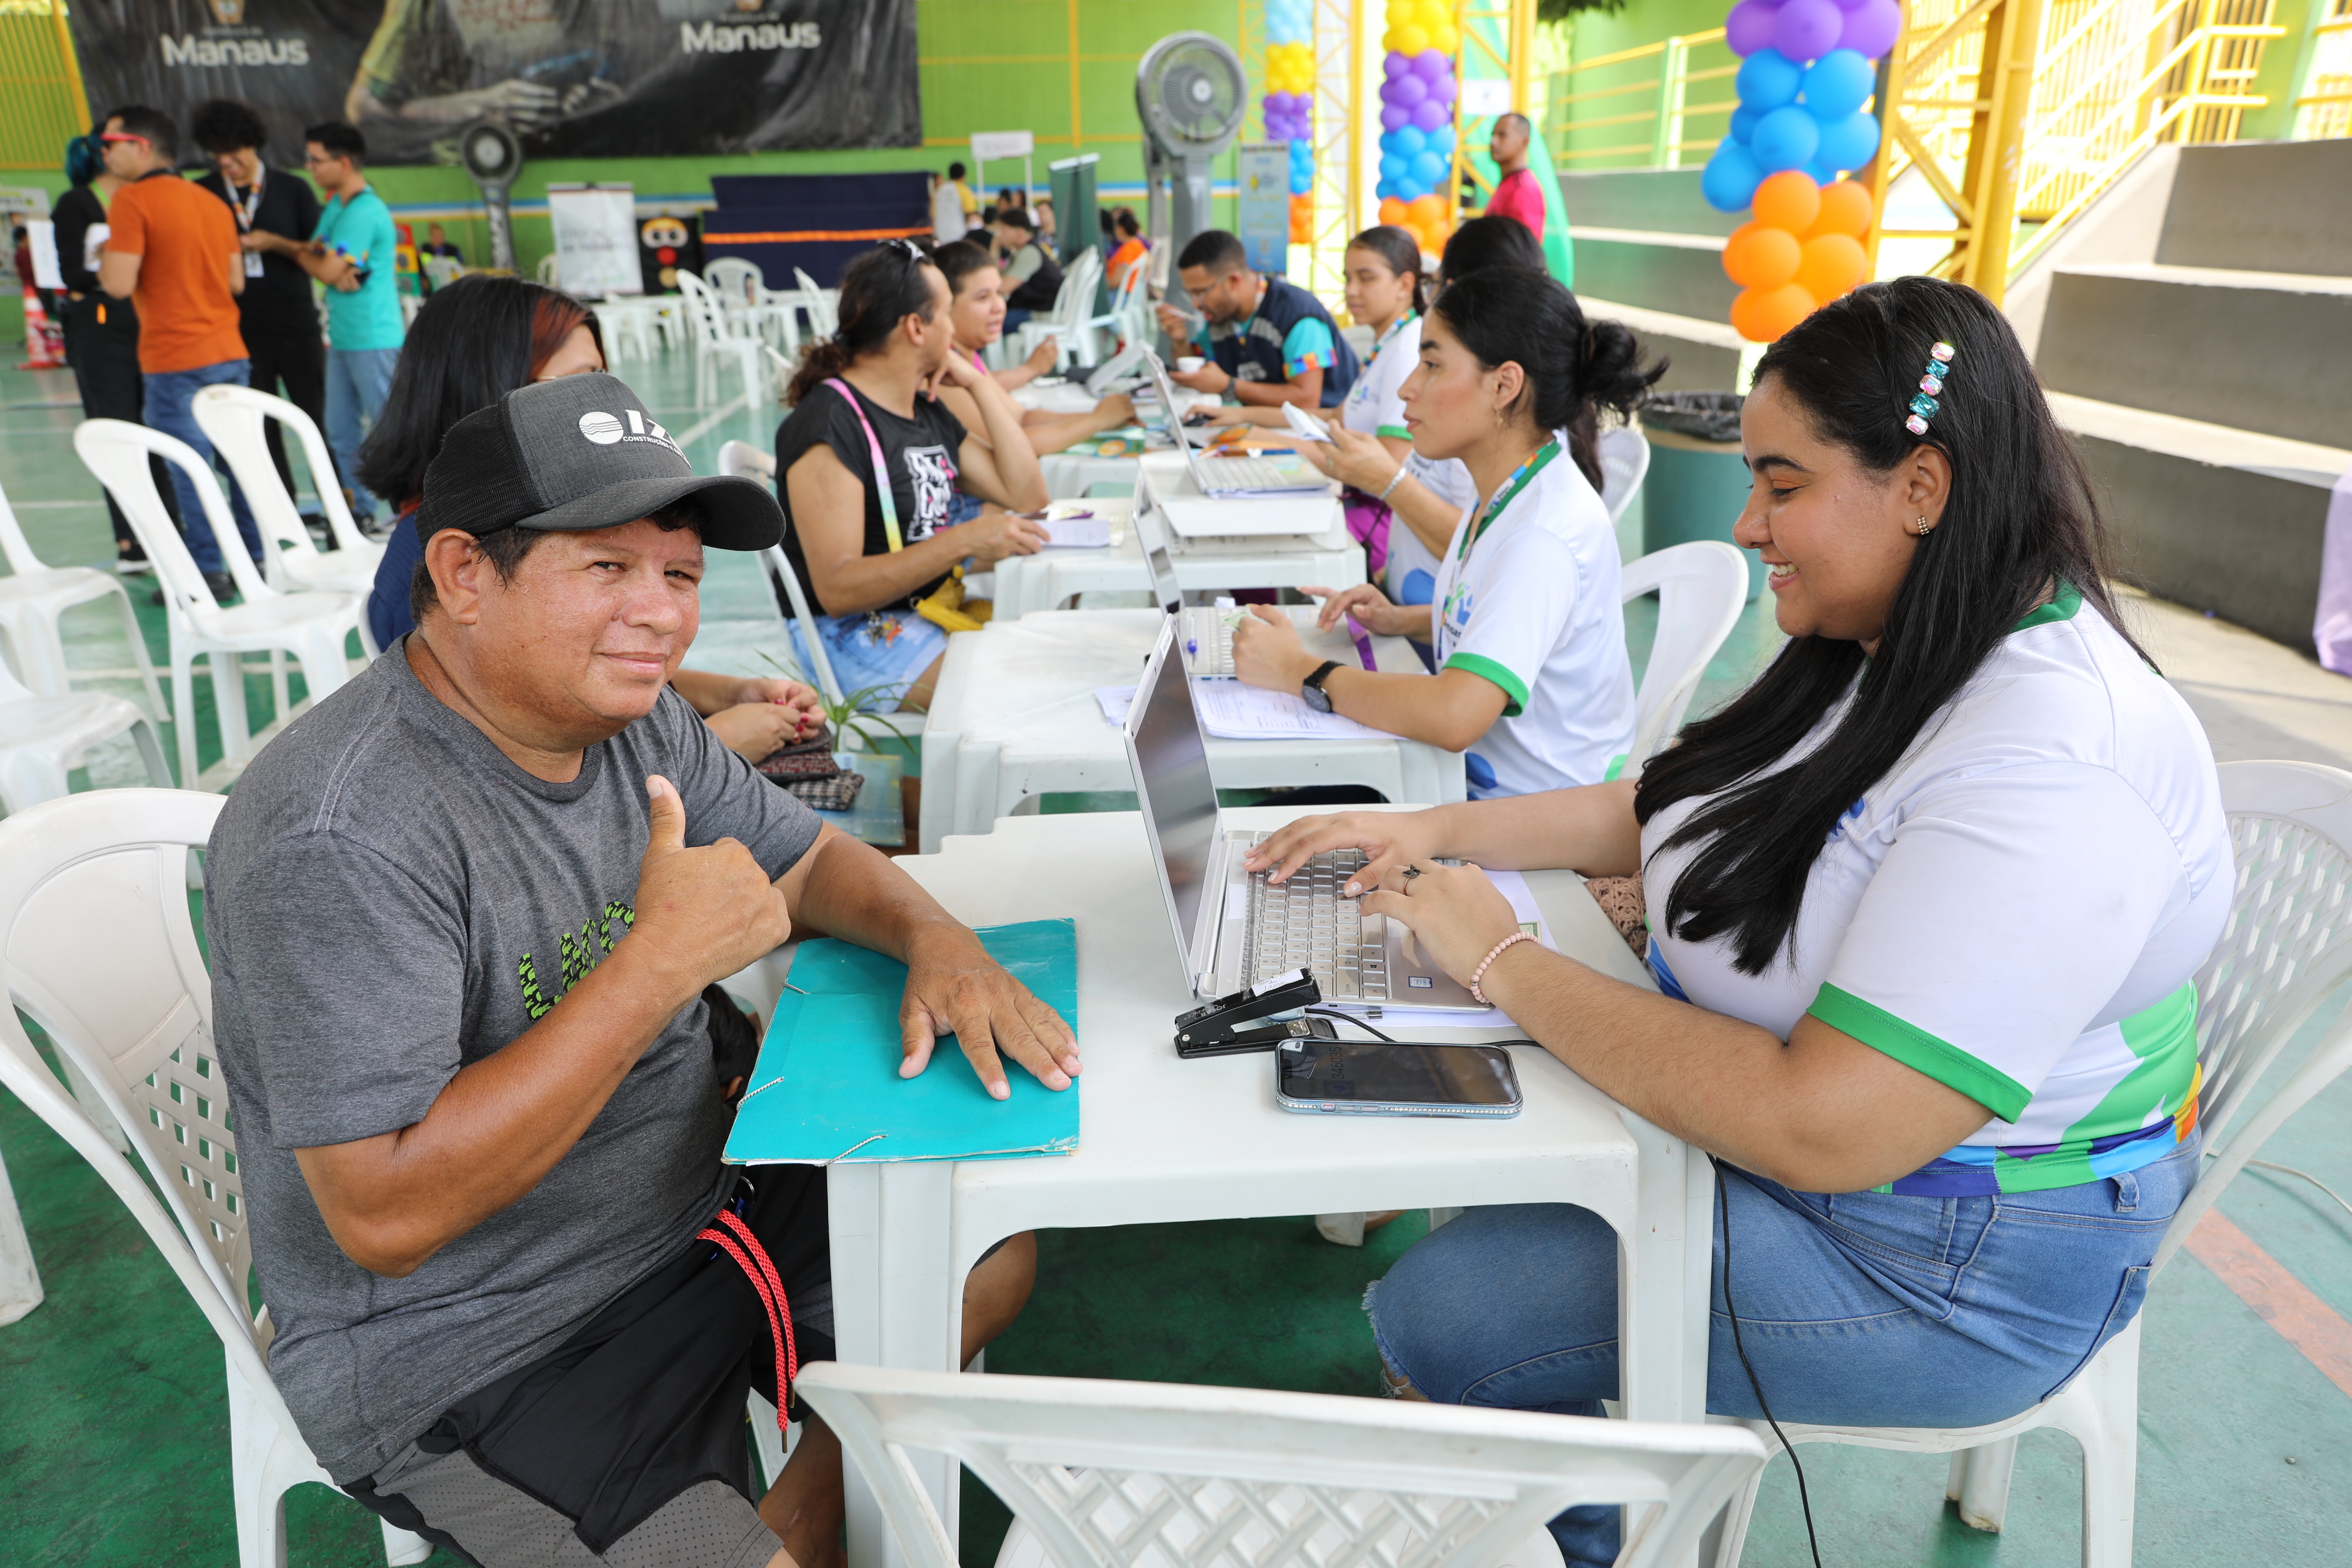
352	254
171	251
1266	339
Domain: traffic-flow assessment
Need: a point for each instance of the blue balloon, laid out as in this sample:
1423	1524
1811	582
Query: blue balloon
1395	169
1429	170
1785	139
1837	84
1767	80
1412	141
1385	189
1440	142
1731	177
1821	173
1410	190
1850	142
1301	180
1389	141
1743	123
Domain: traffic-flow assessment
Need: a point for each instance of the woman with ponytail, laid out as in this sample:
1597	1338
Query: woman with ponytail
1386	294
871	459
1924	906
1532	680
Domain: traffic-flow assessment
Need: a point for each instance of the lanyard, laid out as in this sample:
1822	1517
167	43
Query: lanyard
881	467
1518	481
1363	388
252	207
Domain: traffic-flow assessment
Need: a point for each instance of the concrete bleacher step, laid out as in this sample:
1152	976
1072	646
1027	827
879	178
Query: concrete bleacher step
2260	351
2211	516
2278	206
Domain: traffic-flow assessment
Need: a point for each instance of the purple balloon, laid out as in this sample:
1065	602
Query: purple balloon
1395	65
1443	88
1808	29
1431	64
1429	114
1849	4
1749	27
1407	90
1395	118
1870	27
1387	89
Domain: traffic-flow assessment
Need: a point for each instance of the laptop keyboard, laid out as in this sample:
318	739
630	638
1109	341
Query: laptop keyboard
1208	638
1304	923
1250	474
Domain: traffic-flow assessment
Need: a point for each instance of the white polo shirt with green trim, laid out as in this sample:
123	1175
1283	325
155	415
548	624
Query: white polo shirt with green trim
1532	604
2016	911
1374	405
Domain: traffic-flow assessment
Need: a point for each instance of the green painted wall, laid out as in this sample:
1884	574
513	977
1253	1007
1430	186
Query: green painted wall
1578	142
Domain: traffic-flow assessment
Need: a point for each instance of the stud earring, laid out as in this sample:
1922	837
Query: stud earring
1922	526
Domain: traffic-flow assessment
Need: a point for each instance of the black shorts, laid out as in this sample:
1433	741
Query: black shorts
638	1413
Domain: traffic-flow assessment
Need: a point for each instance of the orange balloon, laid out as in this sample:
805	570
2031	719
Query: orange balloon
1846	209
1393	210
1762	315
1760	257
1788	200
1429	208
1832	264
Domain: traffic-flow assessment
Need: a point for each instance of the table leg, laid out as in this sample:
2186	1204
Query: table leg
1666	1267
894	1305
20	1282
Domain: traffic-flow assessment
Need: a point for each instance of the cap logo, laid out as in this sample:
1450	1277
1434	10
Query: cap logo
601	428
605	430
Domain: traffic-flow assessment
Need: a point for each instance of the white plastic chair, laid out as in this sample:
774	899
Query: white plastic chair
1625	463
741	457
311	626
34	596
1701	586
2287	946
42	739
235	420
714	343
96	947
1118	325
822	304
550	270
1066	323
1102	1475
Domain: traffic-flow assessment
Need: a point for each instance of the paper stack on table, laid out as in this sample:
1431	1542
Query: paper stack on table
1237	712
1082	531
827	1088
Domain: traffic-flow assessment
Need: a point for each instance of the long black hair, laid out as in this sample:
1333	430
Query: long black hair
878	291
2019	521
475	341
1574	368
1400	252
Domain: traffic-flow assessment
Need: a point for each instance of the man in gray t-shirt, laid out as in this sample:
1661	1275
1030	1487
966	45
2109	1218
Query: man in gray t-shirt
461	916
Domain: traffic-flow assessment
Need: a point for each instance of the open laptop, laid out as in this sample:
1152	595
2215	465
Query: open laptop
1234	477
1234	928
1204	632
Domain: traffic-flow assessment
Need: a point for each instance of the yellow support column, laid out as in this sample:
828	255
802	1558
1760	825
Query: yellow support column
1997	143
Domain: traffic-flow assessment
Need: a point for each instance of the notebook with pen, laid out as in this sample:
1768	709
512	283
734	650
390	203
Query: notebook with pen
827	1088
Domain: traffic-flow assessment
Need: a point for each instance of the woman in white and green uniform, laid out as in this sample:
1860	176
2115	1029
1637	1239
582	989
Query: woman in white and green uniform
1924	906
1532	681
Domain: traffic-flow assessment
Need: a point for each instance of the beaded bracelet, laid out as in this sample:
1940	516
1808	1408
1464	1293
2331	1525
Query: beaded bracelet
1480	996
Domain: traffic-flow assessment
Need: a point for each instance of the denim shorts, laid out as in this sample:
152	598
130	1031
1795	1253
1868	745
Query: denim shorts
1856	1308
886	649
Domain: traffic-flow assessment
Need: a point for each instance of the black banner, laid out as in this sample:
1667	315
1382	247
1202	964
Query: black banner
575	78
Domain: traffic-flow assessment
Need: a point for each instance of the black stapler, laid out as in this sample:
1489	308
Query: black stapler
1215	1028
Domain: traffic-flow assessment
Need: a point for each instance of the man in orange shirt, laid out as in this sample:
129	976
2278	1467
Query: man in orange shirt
173	252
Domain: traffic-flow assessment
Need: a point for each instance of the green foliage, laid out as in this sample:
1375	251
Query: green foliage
1563	10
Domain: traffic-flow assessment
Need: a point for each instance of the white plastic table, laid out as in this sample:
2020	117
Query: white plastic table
1014	717
1164	1139
1069	475
1051	578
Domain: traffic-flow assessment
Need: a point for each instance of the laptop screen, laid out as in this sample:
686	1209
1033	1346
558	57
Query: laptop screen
1176	432
1173	780
1151	533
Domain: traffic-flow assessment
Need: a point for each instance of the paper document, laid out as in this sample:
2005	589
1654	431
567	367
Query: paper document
1085	532
827	1088
1513	885
1239	712
1115	700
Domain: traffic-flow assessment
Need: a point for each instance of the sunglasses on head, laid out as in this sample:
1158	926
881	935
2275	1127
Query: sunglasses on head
124	136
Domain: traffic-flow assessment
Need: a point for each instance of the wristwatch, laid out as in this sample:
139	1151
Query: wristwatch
1310	690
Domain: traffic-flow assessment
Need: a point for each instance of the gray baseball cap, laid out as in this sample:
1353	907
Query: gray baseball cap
577	453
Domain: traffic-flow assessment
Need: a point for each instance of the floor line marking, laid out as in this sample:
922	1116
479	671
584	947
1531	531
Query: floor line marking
702	428
2277	1297
53	505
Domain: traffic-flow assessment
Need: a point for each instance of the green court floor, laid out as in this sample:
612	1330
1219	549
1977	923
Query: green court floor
113	1424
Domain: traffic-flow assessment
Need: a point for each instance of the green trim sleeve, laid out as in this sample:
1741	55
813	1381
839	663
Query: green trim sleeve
1394	432
1922	1052
1515	690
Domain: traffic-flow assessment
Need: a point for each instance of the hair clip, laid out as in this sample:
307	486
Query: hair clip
1931	386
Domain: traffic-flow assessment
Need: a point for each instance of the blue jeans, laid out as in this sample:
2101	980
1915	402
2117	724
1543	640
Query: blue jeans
357	383
1856	1308
169	406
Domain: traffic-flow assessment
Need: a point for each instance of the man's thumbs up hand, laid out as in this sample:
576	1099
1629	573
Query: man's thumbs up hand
706	912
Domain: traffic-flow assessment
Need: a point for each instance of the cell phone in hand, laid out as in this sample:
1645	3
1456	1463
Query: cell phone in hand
1302	426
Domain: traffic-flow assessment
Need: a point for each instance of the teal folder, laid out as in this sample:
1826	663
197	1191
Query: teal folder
827	1088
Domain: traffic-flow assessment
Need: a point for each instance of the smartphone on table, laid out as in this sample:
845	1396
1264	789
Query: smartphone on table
1371	1078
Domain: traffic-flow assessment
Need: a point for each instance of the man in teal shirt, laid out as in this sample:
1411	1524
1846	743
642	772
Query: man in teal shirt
353	255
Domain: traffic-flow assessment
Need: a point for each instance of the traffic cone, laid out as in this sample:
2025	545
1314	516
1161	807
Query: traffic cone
43	338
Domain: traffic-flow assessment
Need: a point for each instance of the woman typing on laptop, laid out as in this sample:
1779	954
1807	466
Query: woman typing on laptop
1533	680
1924	908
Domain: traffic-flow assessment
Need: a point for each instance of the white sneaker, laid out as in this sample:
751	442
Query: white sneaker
128	568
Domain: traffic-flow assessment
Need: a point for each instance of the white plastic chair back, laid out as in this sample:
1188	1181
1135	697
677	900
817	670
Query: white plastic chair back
741	457
1625	463
96	947
1175	1476
15	547
823	305
37	596
734	281
235	420
550	267
1701	586
709	326
117	452
43	739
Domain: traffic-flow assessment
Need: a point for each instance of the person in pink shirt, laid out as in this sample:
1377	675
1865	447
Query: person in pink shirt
1516	194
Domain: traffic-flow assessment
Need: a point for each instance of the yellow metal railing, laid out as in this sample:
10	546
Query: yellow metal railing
1660	102
40	85
2323	108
